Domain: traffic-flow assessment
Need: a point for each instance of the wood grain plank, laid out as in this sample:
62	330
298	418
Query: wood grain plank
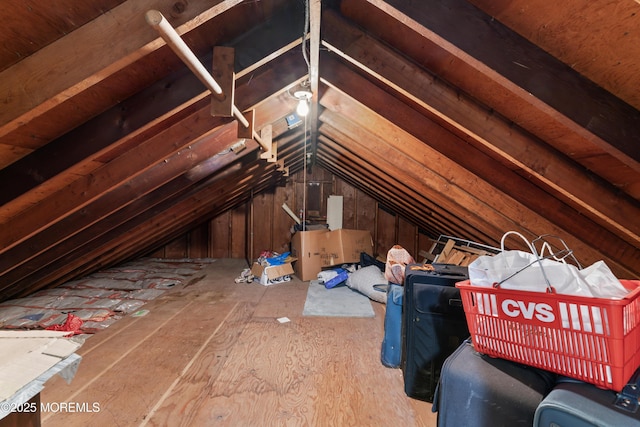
89	188
349	209
282	300
516	64
70	65
282	223
554	26
183	398
385	231
407	236
463	116
239	232
524	193
307	372
366	207
214	353
394	159
163	354
98	351
220	232
198	242
262	226
382	187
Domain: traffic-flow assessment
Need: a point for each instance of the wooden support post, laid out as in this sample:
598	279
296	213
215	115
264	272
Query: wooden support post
223	72
246	131
180	48
282	168
271	154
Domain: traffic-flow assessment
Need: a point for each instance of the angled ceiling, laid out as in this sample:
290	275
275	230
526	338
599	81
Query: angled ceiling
468	118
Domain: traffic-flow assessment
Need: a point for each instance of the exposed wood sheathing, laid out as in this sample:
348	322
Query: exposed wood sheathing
466	118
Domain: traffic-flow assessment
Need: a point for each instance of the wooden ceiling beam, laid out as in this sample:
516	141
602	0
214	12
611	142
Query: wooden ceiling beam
88	188
515	148
113	204
91	53
315	17
453	185
120	127
471	159
404	159
149	220
83	228
384	188
333	165
145	154
124	124
521	68
191	210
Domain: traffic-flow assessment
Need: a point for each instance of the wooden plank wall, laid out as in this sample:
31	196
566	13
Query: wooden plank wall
262	224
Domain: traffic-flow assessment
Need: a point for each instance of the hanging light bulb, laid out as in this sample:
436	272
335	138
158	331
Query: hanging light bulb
303	97
303	108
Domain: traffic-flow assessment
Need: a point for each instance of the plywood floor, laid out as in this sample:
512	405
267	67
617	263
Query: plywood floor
214	353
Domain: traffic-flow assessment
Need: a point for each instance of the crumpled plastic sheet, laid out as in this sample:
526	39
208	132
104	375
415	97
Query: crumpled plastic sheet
62	302
91	327
120	275
129	306
28	318
71	324
158	283
100	298
278	259
83	292
104	283
144	294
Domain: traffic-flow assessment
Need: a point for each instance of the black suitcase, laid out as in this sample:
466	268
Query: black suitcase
434	324
478	390
578	404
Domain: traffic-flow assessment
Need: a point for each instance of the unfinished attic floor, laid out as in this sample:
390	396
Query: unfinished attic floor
214	353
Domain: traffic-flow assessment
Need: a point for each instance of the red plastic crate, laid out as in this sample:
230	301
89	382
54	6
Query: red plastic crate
595	340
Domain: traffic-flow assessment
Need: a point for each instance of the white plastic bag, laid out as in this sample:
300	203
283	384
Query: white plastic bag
602	282
537	272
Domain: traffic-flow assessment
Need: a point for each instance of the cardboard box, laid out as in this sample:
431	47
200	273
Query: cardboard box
318	249
308	247
265	275
346	245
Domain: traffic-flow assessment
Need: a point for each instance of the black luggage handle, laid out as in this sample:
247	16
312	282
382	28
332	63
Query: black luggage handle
440	269
627	399
455	302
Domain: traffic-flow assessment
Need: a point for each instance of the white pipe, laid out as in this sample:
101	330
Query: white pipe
175	42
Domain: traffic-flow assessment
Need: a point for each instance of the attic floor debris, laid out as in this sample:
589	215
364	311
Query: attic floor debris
217	352
101	298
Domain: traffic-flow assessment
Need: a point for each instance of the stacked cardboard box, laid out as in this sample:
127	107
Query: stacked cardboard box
318	249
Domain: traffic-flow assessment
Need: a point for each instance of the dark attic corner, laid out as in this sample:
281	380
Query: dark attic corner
249	213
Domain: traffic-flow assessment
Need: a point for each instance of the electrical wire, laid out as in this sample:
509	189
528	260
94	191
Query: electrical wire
304	178
304	34
304	165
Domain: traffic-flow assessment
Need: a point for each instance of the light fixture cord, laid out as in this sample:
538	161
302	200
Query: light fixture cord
304	34
304	165
304	178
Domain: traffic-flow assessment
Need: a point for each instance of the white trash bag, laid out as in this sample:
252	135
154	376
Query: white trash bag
541	272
